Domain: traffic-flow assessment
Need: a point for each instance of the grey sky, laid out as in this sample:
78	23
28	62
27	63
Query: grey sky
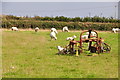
60	0
68	9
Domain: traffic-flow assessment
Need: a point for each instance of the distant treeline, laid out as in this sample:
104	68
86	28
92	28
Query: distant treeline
66	19
76	23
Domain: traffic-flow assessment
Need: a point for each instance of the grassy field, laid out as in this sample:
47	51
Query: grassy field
27	54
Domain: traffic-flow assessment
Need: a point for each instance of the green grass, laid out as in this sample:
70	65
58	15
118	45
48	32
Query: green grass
33	55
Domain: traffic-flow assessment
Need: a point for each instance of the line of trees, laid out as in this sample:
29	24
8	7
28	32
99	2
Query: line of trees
66	19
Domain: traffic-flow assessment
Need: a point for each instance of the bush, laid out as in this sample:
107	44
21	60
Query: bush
58	25
65	19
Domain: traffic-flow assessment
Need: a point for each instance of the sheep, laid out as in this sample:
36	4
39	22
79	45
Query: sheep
92	33
54	30
61	50
115	30
36	29
87	34
84	36
71	38
65	29
53	35
14	29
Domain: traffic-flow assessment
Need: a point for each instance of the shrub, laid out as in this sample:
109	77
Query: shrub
76	23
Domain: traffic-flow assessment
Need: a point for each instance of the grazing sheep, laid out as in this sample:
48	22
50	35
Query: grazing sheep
65	29
54	30
61	50
92	33
53	35
87	34
36	29
14	29
115	30
71	38
84	36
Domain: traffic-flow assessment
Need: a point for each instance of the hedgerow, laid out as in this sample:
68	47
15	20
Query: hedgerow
58	25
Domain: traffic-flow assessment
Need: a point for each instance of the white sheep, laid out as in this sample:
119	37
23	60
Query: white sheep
84	36
92	33
65	29
115	30
71	38
53	35
36	29
54	30
60	48
14	29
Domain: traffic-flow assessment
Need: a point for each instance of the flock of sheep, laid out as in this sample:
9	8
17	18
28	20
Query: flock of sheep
54	32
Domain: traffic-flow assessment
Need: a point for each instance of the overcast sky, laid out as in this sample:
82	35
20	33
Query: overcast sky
60	0
81	8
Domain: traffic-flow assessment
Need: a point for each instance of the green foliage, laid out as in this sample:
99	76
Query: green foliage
58	25
76	19
12	17
65	19
59	22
